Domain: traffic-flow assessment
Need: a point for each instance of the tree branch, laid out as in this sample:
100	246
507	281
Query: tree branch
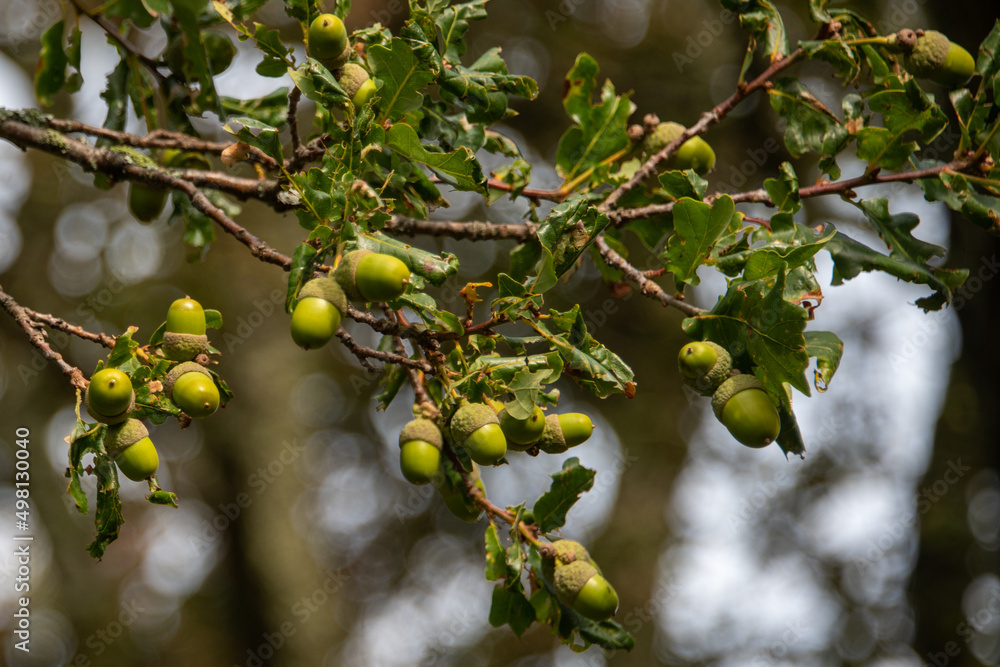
38	339
365	353
471	230
621	216
157	139
54	322
646	286
707	119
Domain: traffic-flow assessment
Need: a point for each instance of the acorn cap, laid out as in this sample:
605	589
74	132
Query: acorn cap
730	388
421	429
469	419
106	419
351	79
121	436
567	551
182	346
180	369
344	273
719	373
570	579
327	289
338	62
658	139
928	54
552	440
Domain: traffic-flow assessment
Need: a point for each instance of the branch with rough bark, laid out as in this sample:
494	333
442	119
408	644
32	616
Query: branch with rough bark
38	338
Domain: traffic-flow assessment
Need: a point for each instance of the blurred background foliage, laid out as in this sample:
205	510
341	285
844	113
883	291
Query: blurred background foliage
297	542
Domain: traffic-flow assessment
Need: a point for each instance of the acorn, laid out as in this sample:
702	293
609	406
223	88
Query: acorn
191	387
695	153
565	431
327	41
146	202
704	366
356	83
420	445
184	335
128	444
743	406
522	433
109	397
317	313
579	585
929	54
476	428
372	276
454	496
565	552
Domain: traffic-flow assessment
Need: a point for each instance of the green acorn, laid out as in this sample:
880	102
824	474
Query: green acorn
353	78
564	431
476	428
365	93
420	445
566	552
128	444
372	276
929	54
743	406
327	41
191	387
695	153
579	585
704	366
184	335
109	397
522	433
146	202
454	495
317	313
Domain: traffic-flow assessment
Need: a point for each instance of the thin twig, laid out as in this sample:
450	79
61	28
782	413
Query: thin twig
114	34
646	286
37	339
62	325
707	119
293	121
365	353
158	139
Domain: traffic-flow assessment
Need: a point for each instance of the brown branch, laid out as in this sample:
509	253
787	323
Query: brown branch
293	121
533	194
707	119
760	196
54	322
38	339
471	230
313	150
158	139
646	286
365	353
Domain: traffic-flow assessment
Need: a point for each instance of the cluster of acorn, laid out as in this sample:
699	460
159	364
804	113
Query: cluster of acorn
578	581
361	275
327	43
738	400
110	397
485	437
